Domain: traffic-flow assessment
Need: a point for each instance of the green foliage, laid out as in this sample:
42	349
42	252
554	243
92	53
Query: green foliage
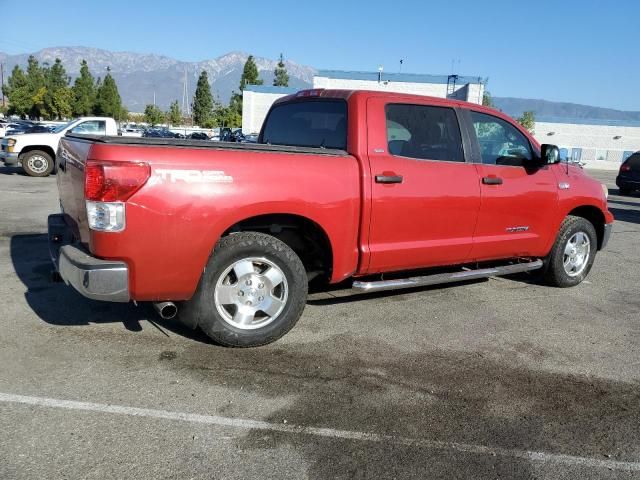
58	98
84	92
281	77
174	115
17	92
153	115
487	99
227	117
235	103
203	101
250	75
108	101
528	121
37	88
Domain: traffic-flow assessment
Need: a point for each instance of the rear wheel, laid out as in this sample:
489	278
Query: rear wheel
37	163
252	292
573	253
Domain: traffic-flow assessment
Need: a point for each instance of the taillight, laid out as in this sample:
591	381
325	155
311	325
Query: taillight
114	181
625	167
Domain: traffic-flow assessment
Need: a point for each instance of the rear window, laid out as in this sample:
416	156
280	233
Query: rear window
317	123
634	160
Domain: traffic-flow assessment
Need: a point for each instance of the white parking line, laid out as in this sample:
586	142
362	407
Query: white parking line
246	424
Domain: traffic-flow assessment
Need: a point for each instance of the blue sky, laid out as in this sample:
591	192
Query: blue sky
575	51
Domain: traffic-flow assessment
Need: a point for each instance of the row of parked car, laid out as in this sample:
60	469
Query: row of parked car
225	135
16	127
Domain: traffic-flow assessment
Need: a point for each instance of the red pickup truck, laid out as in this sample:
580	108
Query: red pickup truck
341	184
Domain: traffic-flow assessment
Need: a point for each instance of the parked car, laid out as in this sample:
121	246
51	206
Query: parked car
628	178
36	152
329	193
26	128
14	126
131	131
161	132
198	136
228	135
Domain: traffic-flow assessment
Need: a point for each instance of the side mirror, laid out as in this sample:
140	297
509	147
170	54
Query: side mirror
550	154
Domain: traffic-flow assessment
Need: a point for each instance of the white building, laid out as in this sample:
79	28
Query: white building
602	144
257	99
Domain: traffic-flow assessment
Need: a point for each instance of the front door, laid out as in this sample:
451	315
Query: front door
425	197
518	199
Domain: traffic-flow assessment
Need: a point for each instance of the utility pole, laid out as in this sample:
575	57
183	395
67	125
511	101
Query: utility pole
2	80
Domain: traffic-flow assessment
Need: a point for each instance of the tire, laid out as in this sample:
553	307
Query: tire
246	272
573	253
37	163
624	191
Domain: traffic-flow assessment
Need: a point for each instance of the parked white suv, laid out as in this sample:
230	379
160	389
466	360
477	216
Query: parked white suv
36	152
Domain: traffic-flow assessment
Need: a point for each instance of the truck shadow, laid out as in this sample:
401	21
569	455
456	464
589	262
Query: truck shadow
625	214
58	304
12	171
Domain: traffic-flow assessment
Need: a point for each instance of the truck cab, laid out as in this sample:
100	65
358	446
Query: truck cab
36	152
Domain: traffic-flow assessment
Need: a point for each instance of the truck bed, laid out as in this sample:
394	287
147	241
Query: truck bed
206	144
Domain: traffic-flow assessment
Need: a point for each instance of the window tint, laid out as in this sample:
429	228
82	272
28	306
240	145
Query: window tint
634	161
424	132
92	127
500	142
319	123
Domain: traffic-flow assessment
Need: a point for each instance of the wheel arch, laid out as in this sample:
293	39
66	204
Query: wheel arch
595	216
305	237
43	148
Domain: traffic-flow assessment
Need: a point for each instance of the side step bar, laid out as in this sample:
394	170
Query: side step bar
440	278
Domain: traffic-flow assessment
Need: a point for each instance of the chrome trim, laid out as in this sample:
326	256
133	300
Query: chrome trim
442	278
92	277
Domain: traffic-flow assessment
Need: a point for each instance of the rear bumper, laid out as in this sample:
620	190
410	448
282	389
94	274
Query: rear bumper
94	278
608	228
9	158
627	182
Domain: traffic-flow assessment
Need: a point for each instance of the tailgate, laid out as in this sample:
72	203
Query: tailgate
71	159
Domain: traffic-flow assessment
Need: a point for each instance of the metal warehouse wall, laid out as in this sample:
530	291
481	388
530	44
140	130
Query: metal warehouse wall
599	146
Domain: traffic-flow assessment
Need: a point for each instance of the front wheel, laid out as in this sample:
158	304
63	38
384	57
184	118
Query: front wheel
37	163
252	292
573	253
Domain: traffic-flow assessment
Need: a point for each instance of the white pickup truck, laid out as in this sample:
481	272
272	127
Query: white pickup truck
36	152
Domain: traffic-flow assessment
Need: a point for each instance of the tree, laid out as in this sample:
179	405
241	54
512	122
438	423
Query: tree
250	75
528	121
153	115
17	92
281	77
108	101
36	87
202	101
58	98
84	92
174	115
227	117
487	99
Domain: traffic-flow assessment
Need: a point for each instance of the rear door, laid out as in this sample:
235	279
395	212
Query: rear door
517	198
424	196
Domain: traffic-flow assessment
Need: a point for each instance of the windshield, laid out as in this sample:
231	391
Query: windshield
308	123
60	128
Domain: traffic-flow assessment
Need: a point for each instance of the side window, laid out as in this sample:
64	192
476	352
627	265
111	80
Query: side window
91	127
423	132
500	142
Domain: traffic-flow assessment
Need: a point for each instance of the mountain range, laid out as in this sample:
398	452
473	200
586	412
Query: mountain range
140	75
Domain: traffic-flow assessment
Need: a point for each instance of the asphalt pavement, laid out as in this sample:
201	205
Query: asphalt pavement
500	378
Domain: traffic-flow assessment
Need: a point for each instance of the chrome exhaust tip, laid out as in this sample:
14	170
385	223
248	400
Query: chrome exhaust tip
166	310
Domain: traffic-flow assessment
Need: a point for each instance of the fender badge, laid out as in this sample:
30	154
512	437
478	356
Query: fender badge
564	186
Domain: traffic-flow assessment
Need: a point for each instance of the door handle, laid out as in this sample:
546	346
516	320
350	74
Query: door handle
388	178
492	180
